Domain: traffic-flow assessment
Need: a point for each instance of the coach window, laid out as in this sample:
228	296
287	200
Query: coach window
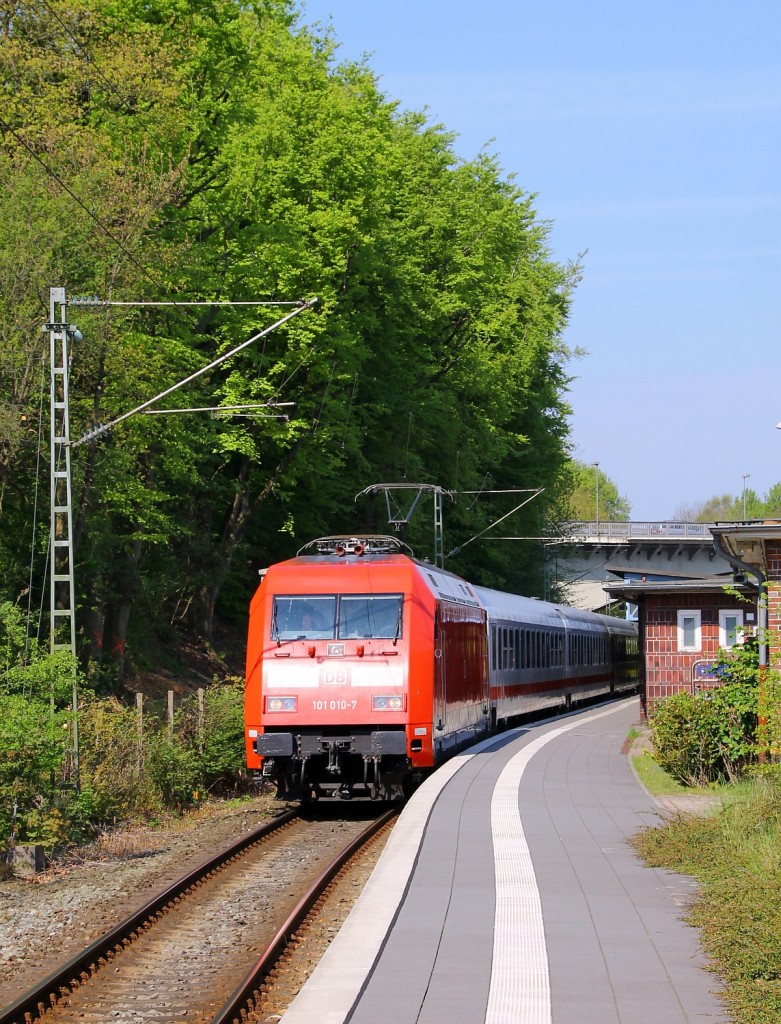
558	647
730	626
689	630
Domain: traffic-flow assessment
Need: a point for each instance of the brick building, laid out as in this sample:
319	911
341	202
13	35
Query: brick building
754	549
683	622
681	626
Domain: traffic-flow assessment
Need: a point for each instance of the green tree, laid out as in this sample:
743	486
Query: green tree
175	149
587	479
730	508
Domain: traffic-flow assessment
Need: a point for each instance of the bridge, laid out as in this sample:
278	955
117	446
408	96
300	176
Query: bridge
589	553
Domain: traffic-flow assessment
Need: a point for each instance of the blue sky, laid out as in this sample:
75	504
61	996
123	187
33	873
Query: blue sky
649	135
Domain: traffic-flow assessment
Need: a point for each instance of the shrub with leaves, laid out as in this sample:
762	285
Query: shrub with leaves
708	736
35	737
129	766
684	731
174	770
114	784
33	741
222	754
711	735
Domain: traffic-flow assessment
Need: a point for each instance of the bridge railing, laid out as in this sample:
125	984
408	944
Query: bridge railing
637	531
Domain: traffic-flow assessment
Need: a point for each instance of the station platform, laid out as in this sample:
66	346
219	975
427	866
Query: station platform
508	894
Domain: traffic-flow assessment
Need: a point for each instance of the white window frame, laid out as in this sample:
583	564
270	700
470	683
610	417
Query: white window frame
724	614
696	614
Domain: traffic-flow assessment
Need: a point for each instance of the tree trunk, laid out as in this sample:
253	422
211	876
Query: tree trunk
236	522
128	587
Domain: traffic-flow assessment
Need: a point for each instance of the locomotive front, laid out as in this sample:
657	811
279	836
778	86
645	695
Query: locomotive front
328	705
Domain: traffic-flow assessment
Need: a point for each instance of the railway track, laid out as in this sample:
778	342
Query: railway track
206	947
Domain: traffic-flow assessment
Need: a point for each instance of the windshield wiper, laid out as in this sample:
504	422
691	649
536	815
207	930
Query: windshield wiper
274	626
398	623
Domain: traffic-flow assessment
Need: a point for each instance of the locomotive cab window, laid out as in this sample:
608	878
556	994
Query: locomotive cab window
369	618
336	617
305	617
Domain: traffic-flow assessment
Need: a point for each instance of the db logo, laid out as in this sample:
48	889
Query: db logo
335	677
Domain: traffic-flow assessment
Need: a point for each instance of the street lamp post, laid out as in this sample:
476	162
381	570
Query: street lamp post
596	467
745	477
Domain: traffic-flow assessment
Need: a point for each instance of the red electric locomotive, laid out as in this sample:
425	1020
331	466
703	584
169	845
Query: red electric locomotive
366	667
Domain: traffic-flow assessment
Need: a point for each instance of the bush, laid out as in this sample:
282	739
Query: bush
35	734
735	713
735	854
222	754
114	785
175	772
708	736
685	745
127	767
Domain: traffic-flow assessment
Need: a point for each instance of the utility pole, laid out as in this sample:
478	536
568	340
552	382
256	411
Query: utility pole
62	607
745	477
62	601
400	520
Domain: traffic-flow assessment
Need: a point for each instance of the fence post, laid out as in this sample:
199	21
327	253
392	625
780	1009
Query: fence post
200	719
171	715
140	732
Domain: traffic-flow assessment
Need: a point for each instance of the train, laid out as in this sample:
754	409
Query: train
367	668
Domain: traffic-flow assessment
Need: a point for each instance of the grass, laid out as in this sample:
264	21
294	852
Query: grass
655	779
735	854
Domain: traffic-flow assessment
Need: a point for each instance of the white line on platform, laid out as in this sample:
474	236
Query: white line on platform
520	981
333	987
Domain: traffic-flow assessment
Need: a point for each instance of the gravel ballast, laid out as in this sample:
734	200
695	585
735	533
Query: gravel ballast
47	918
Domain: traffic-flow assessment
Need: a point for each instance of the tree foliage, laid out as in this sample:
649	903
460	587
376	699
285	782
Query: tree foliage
587	481
178	150
733	507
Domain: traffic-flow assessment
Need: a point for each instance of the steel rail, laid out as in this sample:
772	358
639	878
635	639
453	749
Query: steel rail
235	1008
47	992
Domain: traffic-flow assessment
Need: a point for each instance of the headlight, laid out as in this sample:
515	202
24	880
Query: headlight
387	702
281	704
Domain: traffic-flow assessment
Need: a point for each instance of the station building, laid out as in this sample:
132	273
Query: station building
684	622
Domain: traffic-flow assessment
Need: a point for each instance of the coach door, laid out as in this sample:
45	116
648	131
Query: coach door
440	675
